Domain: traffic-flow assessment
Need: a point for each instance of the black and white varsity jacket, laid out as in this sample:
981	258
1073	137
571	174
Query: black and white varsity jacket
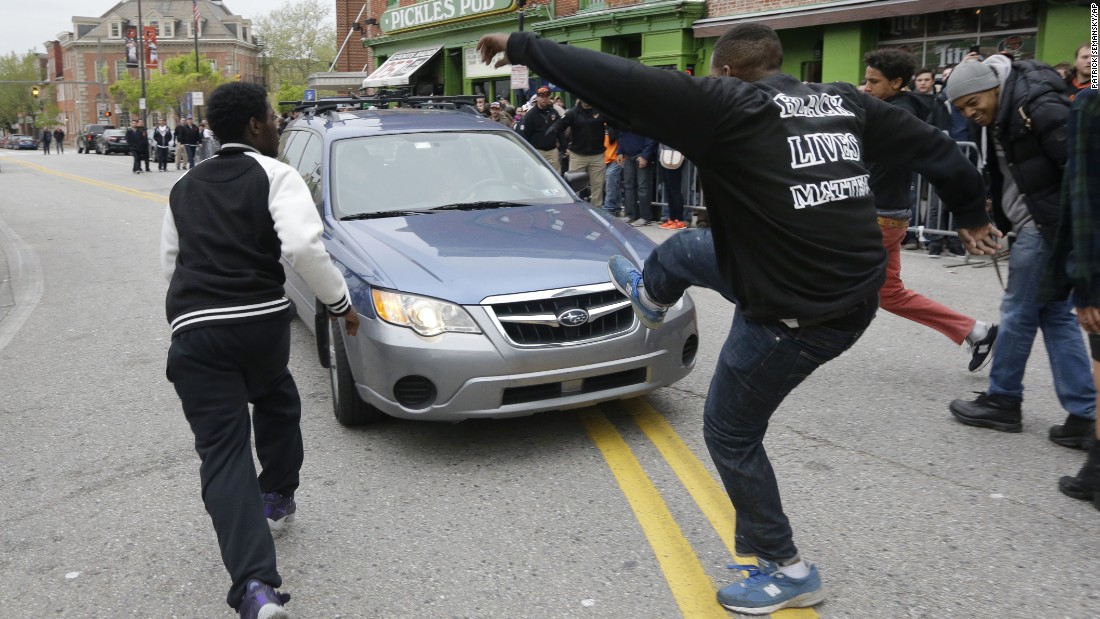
227	222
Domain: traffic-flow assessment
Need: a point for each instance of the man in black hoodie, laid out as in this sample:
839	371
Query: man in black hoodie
794	241
587	128
535	127
888	70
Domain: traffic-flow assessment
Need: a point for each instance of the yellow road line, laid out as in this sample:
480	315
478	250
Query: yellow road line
704	489
91	181
690	585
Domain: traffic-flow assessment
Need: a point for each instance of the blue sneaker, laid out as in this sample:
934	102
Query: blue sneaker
627	280
262	602
767	590
279	509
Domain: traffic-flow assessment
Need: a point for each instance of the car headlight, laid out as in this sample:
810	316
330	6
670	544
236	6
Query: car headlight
426	316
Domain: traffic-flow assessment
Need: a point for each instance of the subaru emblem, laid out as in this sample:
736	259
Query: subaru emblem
573	318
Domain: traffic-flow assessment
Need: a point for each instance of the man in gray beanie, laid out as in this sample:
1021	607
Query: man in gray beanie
1025	104
969	78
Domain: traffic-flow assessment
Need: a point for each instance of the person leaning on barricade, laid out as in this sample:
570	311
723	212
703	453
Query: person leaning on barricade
794	243
1018	111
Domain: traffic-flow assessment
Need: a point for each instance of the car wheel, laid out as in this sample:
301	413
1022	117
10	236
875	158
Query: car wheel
349	408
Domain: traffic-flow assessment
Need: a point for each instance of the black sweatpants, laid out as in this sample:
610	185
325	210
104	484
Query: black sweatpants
217	371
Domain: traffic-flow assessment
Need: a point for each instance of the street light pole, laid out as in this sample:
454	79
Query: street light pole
141	60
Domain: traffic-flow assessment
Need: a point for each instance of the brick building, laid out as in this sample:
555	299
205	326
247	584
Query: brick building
85	61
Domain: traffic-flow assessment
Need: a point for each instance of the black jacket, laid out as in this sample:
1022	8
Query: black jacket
137	140
893	185
187	134
535	127
228	221
589	128
1031	126
781	164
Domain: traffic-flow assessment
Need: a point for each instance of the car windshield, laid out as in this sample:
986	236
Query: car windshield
113	132
423	171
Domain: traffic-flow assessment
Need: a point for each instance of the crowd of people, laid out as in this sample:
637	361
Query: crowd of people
810	193
192	143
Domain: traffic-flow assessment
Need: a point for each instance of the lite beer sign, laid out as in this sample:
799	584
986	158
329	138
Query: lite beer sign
438	12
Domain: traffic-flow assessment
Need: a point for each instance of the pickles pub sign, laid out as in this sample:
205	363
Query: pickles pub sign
439	12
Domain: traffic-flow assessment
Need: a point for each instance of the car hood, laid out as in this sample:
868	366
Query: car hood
466	256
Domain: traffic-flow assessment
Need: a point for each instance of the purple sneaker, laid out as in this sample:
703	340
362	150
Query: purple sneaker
262	602
279	509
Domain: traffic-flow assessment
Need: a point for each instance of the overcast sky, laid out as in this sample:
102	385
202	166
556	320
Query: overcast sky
26	24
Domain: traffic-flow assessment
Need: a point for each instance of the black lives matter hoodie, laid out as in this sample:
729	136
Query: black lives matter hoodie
227	222
782	165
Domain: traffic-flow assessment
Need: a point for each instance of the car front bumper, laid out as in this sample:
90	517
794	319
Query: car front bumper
483	375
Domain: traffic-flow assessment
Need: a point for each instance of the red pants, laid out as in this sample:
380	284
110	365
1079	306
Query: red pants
895	298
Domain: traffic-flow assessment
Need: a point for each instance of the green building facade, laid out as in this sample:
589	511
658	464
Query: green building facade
823	41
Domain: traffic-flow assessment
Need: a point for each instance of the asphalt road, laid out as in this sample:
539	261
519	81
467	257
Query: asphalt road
603	513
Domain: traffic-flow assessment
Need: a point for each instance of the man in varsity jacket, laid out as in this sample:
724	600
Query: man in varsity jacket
226	225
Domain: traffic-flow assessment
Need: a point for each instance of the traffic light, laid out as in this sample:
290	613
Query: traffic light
108	113
34	91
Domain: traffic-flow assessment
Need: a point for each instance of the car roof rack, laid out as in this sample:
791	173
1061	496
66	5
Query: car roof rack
384	100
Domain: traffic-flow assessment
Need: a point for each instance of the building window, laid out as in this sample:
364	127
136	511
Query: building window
244	34
590	5
213	64
101	72
943	39
120	69
167	29
191	29
114	30
392	3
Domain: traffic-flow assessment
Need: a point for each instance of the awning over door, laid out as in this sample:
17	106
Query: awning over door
399	68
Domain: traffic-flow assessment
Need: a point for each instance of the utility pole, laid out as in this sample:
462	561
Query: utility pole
141	61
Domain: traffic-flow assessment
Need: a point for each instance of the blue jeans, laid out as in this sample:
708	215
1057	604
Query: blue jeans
613	188
1022	316
760	363
190	155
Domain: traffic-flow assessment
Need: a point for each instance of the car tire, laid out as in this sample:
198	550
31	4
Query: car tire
349	408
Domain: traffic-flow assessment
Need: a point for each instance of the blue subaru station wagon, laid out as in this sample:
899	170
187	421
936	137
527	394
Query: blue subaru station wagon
479	275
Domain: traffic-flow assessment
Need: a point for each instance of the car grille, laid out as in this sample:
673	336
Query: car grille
532	319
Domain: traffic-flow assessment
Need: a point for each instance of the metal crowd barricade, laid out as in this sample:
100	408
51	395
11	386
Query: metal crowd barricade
931	221
689	187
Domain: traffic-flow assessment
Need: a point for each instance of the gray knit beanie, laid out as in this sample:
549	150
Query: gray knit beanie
970	77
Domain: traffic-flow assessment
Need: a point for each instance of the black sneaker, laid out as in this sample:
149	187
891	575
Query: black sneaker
999	412
1076	432
982	352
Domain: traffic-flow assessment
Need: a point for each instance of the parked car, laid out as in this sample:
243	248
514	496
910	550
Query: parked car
480	278
85	140
22	142
111	141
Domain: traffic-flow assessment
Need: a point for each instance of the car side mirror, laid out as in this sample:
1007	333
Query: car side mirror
577	180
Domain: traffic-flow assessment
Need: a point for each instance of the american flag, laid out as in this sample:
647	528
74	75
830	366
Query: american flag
195	7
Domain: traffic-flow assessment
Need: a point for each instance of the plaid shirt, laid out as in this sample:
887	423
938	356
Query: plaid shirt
1075	260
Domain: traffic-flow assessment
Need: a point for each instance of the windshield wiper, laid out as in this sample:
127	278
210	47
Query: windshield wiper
476	206
381	214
